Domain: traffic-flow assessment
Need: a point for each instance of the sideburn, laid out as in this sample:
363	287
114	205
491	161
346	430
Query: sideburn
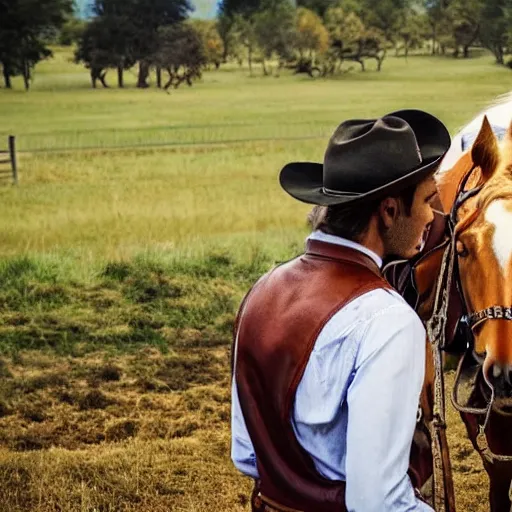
395	238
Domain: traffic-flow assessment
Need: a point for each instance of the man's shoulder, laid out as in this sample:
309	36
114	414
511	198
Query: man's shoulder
382	302
390	308
378	306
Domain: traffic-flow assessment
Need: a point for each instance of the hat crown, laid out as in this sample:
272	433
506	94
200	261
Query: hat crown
368	154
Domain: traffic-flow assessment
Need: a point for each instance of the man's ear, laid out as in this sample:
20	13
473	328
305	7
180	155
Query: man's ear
389	210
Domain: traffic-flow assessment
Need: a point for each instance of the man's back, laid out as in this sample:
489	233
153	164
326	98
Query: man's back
354	407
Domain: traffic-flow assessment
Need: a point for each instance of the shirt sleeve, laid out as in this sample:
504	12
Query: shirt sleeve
383	400
242	450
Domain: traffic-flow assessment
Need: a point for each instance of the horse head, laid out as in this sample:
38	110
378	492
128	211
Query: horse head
477	193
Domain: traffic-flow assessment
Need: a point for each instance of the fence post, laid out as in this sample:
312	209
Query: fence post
12	151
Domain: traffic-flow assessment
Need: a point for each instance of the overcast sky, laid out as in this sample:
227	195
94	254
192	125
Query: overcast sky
205	8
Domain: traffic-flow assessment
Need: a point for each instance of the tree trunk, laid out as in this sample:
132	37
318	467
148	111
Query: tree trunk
466	47
120	76
142	81
26	75
159	77
499	54
434	39
265	72
380	59
7	75
94	77
280	66
169	82
102	77
250	59
225	53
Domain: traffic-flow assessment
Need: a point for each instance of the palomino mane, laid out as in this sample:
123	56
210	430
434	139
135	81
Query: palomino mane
499	114
457	162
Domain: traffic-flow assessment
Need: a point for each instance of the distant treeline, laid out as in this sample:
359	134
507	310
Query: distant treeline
311	36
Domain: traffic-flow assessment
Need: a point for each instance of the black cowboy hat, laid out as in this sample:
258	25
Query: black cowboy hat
370	159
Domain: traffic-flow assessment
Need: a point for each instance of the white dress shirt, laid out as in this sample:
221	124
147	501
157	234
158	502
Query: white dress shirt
355	407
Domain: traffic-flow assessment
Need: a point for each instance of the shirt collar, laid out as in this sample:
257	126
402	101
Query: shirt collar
337	240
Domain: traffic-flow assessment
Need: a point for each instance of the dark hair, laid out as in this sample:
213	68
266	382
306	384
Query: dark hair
351	221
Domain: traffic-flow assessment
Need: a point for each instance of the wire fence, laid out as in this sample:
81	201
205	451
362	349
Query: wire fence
168	136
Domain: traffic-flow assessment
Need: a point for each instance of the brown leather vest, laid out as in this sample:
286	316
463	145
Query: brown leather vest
277	327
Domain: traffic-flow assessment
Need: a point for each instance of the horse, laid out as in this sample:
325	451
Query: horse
460	286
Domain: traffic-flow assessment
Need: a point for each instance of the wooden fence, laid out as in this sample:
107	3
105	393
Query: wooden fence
9	173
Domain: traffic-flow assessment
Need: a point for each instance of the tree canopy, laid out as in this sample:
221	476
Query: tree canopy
23	25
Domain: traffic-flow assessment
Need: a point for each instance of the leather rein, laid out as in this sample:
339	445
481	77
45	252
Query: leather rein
437	323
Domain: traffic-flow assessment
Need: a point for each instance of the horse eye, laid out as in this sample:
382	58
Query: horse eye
461	249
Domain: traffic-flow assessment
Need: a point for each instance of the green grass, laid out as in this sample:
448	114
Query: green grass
62	111
77	212
139	257
188	199
205	202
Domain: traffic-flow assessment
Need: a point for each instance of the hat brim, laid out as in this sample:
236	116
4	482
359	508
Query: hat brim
304	181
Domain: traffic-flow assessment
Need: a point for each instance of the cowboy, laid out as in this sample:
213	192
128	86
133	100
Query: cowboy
328	360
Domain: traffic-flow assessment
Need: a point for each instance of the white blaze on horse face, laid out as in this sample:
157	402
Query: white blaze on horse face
500	217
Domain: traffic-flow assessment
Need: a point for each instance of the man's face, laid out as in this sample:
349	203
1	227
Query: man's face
405	234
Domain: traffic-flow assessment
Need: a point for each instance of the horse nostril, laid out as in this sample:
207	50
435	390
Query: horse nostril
508	375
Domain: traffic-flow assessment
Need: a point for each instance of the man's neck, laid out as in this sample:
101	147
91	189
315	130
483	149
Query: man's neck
373	241
333	239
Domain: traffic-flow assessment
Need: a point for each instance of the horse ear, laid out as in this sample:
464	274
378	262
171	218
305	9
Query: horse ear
485	152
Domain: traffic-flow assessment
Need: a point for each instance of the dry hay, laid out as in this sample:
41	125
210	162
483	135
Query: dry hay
141	432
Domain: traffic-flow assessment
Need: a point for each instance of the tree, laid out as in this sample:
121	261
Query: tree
317	6
244	34
344	28
244	8
311	35
180	53
71	31
224	28
107	42
352	40
213	45
23	24
274	28
466	17
387	16
411	33
116	33
148	17
93	51
495	27
436	15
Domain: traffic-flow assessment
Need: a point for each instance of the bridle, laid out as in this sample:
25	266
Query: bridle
494	312
437	322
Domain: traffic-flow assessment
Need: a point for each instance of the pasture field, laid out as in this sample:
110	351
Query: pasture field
140	220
